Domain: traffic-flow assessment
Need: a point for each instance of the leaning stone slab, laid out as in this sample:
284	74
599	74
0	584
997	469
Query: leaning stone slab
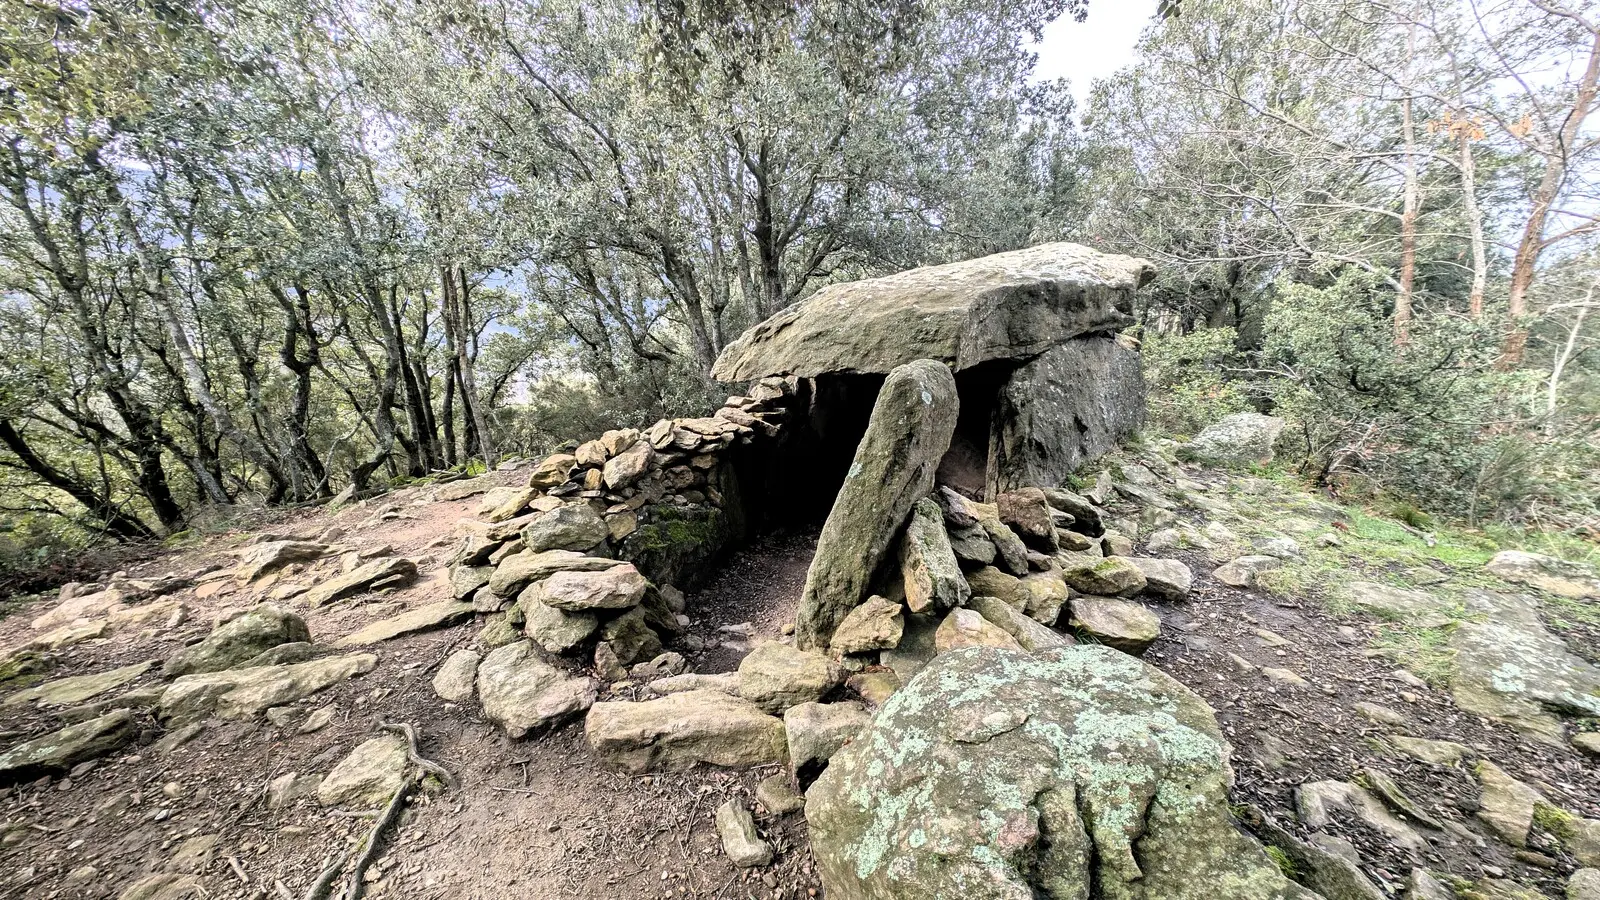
928	565
78	688
250	692
908	433
674	733
234	642
428	617
57	753
388	570
1089	751
521	692
521	569
1029	634
740	841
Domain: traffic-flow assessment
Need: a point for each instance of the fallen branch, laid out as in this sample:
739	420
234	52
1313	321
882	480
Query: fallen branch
319	888
426	765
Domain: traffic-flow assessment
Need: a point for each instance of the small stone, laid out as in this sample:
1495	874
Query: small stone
1439	753
368	776
1285	676
1507	805
1118	624
777	795
968	628
876	624
1245	571
740	842
456	680
1380	714
1588	742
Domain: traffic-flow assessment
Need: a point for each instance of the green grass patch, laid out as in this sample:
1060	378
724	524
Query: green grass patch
1426	652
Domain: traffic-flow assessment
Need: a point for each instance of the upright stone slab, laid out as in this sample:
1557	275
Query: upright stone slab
910	429
1066	406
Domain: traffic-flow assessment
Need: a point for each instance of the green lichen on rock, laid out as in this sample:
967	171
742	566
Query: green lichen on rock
677	544
1077	772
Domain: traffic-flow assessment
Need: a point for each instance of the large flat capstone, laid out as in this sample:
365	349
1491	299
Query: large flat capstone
1012	305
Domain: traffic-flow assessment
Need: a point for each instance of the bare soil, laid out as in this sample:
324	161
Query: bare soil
542	818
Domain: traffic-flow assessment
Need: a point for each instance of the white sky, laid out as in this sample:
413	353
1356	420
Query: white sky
1094	48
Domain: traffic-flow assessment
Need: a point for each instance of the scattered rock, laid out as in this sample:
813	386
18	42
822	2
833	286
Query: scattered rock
73	608
1011	554
887	823
557	631
289	788
57	753
971	545
910	429
1416	608
874	625
248	693
520	569
744	847
1085	515
1246	570
521	692
573	526
388	571
1588	742
1584	885
456	680
1314	802
235	642
816	731
664	665
776	676
874	687
628	466
163	886
777	796
1508	666
77	688
259	559
1506	805
1285	676
629	639
679	730
1027	512
1439	753
1547	573
1118	624
968	628
70	635
368	776
429	617
1107	576
1383	715
1167	579
928	565
319	719
619	587
1029	634
727	682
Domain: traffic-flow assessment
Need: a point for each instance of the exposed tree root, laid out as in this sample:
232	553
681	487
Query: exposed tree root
417	759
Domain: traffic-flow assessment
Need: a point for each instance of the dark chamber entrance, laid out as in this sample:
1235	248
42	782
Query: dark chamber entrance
793	481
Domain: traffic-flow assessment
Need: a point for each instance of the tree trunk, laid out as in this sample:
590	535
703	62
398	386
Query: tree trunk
1408	212
111	518
1469	199
1533	241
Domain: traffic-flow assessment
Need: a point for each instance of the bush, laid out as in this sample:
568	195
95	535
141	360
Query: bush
1188	383
1435	426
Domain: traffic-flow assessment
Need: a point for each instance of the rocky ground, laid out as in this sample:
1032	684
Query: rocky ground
1388	695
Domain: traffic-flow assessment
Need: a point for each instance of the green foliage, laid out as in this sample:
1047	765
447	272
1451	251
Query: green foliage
1283	862
1434	424
1188	387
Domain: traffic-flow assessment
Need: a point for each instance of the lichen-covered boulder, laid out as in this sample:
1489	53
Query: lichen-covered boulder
238	641
908	433
1076	773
